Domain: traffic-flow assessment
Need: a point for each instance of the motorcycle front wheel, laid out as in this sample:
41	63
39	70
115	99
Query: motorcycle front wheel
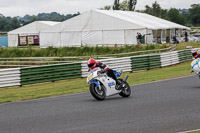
98	93
126	90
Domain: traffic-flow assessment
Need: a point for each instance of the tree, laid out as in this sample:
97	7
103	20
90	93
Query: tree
124	5
9	23
132	4
156	10
148	10
3	22
174	16
116	5
106	7
195	14
7	27
186	14
15	23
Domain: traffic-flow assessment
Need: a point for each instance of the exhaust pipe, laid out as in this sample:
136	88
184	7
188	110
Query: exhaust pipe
125	78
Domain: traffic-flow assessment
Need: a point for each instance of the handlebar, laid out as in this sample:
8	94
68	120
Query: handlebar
101	72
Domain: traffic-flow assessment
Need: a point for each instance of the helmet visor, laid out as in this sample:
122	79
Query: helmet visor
194	54
90	65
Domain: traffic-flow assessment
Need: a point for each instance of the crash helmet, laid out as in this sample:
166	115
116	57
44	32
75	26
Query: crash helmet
91	63
195	53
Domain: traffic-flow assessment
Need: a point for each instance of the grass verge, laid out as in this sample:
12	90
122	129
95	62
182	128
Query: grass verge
183	45
10	94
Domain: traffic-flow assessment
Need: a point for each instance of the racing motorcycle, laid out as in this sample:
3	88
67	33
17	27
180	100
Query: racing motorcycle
102	86
196	66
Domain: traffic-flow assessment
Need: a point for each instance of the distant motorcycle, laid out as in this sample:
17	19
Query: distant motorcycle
196	66
102	86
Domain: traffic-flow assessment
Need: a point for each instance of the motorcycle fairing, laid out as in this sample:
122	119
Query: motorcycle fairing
94	82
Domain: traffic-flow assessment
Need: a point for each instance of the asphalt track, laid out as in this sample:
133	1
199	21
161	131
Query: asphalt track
161	107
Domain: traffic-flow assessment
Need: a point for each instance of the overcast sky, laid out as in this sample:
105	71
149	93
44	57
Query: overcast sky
33	7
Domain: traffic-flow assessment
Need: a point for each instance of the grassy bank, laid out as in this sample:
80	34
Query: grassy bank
74	51
183	45
195	27
47	89
84	51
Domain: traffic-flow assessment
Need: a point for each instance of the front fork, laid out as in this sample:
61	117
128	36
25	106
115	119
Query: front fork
97	83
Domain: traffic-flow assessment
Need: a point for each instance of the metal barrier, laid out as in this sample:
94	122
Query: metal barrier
38	74
145	62
169	58
140	62
184	55
154	61
10	77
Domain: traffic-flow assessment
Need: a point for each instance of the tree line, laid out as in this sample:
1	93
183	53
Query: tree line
187	17
11	23
125	5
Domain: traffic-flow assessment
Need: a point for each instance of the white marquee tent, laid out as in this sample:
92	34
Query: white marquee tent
99	27
30	29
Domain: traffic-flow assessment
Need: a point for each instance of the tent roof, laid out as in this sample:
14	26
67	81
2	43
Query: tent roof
34	27
143	19
95	20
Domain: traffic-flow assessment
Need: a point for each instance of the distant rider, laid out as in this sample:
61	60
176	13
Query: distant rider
93	64
195	54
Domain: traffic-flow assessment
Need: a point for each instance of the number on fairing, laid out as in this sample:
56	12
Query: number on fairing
90	77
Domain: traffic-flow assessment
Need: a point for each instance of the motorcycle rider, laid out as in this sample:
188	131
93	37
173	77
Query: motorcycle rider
195	53
93	64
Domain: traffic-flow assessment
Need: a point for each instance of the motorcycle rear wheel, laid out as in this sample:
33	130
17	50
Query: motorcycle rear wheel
98	94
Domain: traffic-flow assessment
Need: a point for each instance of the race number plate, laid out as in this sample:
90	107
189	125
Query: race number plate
90	77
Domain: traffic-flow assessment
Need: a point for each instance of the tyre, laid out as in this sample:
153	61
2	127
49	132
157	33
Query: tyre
126	90
97	93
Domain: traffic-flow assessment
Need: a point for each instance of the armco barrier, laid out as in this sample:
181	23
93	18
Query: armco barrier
145	62
169	58
154	61
140	62
10	77
165	59
33	75
38	74
184	55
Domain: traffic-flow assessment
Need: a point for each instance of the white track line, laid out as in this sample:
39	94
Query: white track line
163	80
190	131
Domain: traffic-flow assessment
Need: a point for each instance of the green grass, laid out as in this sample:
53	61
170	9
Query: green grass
73	51
85	51
183	45
9	94
195	27
194	132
